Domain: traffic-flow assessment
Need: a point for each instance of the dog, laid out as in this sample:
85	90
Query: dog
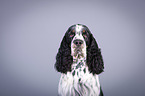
80	61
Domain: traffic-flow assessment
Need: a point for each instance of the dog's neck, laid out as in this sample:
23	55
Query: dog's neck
79	60
79	65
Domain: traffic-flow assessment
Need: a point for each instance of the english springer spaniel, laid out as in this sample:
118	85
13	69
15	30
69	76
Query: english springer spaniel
80	61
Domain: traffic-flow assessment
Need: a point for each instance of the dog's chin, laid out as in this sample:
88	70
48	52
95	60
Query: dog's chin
78	53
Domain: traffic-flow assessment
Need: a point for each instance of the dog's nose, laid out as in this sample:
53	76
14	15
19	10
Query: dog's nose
78	42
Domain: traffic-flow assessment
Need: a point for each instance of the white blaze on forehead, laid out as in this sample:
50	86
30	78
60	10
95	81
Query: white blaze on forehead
78	28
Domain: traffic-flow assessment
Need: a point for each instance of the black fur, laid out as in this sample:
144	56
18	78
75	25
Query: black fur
101	92
94	57
64	59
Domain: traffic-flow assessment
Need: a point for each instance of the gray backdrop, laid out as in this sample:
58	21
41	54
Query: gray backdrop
31	32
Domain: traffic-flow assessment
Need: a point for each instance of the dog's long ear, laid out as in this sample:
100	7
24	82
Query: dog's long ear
64	59
94	57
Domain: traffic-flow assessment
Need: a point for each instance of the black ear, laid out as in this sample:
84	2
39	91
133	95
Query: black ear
94	57
64	59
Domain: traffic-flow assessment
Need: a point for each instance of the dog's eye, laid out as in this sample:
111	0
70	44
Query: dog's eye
71	35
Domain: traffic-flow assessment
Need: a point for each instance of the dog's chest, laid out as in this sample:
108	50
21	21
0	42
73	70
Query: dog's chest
79	82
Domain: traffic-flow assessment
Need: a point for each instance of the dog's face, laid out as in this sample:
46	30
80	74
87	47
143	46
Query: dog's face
78	39
78	42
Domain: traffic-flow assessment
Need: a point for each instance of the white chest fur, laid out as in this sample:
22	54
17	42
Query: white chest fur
79	82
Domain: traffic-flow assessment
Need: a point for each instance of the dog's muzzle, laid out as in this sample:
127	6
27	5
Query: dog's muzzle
78	45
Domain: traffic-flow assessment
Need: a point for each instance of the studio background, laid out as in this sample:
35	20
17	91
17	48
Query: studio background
31	32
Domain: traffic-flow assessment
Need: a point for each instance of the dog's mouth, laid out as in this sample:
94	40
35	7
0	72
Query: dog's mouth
78	52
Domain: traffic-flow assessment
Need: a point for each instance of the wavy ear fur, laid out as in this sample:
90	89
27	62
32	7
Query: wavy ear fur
64	59
94	57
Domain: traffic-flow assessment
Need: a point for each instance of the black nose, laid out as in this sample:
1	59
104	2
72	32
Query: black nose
78	42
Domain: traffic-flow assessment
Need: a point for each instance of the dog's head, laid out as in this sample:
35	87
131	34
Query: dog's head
79	42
